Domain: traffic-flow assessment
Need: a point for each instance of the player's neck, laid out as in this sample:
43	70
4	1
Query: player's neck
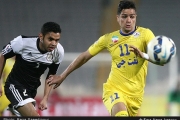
40	47
126	33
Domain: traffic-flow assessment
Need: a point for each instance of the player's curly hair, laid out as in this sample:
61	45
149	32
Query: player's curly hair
50	27
125	4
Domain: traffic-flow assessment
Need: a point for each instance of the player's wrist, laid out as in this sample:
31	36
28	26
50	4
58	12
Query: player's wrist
145	56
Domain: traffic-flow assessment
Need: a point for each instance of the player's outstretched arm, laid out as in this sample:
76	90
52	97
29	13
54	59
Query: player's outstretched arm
76	63
142	54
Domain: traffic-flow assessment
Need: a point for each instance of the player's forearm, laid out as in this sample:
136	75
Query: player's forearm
78	62
47	90
2	63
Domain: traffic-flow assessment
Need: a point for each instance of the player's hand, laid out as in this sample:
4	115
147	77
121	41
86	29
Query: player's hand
55	79
43	105
136	51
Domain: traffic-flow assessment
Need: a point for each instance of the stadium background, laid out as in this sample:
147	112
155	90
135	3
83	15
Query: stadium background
82	22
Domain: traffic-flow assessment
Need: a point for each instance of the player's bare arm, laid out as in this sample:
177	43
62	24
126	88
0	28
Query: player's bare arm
43	104
78	62
2	63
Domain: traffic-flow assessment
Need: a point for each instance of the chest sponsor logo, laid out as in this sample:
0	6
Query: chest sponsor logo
49	57
136	34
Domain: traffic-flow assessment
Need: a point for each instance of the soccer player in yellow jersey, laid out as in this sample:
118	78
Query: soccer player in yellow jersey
4	102
124	89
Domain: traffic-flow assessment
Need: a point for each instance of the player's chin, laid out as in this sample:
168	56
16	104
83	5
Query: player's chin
128	29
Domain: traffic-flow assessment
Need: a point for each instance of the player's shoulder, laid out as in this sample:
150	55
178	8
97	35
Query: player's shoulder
29	38
113	33
25	37
110	34
143	29
60	48
22	38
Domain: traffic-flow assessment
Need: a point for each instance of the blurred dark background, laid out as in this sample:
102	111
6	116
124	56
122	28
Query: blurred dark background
83	21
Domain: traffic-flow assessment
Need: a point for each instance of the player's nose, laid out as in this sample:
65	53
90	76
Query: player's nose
54	43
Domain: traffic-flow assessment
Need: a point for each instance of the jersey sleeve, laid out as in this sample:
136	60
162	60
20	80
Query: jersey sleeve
98	45
58	58
149	36
13	47
53	69
17	45
58	54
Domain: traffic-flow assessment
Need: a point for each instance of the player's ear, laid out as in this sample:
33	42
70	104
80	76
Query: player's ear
117	16
40	36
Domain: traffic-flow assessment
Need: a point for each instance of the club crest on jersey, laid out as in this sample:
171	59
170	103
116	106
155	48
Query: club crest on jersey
136	34
115	39
49	57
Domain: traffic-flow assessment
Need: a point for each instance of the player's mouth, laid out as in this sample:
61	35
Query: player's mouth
51	48
128	26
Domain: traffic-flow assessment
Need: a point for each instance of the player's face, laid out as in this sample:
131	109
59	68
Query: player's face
127	20
49	42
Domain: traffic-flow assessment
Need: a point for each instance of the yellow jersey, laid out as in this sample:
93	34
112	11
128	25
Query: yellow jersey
128	72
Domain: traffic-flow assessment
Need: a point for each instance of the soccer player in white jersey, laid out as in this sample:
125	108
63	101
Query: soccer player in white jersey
33	55
124	89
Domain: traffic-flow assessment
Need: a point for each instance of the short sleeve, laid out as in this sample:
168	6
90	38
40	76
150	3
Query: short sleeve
149	36
13	47
17	45
98	45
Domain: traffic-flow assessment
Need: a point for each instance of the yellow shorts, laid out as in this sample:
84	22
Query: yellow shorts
112	95
4	102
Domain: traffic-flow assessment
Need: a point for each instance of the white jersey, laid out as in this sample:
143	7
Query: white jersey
31	62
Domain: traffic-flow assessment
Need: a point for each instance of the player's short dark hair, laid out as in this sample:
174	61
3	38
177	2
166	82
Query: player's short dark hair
50	27
125	4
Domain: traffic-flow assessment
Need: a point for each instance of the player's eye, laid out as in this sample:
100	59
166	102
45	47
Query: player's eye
124	16
57	40
51	39
132	16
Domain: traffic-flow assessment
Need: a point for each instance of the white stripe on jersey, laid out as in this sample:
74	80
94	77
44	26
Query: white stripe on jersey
15	93
7	49
29	51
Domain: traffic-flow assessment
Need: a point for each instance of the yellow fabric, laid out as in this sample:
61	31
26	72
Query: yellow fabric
128	72
4	102
122	113
113	95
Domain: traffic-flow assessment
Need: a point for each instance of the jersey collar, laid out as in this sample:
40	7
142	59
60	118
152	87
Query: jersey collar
37	43
128	33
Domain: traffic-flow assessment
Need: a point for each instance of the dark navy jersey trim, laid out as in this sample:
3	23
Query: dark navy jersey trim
128	33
